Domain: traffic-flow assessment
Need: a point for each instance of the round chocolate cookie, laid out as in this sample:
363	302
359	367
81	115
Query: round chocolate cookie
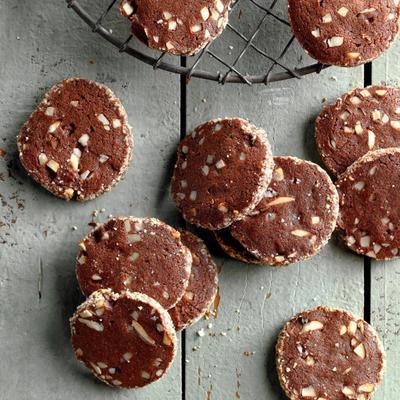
203	284
329	354
126	340
360	121
77	143
223	169
139	254
296	217
345	33
233	248
369	218
176	27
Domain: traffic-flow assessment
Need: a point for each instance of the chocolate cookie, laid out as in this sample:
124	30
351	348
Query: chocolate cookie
139	254
223	169
233	248
369	218
325	353
176	27
344	33
203	284
360	121
126	340
296	217
77	143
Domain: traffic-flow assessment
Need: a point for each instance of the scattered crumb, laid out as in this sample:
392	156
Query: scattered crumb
201	332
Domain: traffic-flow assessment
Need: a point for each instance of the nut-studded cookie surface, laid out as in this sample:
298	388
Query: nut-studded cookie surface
325	353
296	216
77	143
223	169
138	254
176	27
345	33
360	121
126	340
369	204
203	284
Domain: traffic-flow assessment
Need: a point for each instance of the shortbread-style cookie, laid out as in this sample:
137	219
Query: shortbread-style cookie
233	248
296	217
127	340
139	254
329	354
77	143
203	284
176	27
345	33
369	217
360	121
223	169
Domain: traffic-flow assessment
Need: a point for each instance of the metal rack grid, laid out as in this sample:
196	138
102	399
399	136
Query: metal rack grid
232	73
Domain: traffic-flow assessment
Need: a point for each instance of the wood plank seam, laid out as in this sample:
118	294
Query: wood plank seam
367	260
183	128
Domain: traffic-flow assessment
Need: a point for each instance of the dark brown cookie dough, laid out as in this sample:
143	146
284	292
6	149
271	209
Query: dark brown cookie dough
344	33
360	121
126	340
328	354
296	217
223	169
176	27
369	218
77	143
203	284
139	254
233	248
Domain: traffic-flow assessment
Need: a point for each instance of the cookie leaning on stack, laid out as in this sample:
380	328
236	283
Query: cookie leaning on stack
293	221
138	273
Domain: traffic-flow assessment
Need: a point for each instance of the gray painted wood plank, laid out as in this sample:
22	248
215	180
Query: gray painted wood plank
256	301
45	43
385	275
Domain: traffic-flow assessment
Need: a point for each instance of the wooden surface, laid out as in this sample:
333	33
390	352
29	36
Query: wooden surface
43	42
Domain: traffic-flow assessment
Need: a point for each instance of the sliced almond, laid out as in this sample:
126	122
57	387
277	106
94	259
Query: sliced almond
300	233
347	391
53	165
205	13
142	333
343	11
366	388
92	324
312	326
280	200
352	328
335	41
53	127
308	391
360	350
395	125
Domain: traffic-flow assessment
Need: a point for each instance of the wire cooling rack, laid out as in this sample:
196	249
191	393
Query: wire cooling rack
254	61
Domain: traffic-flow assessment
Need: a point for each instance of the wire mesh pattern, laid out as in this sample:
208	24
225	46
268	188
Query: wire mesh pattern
273	67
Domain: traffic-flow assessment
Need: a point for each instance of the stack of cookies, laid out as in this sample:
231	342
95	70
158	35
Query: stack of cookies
358	138
144	281
261	209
